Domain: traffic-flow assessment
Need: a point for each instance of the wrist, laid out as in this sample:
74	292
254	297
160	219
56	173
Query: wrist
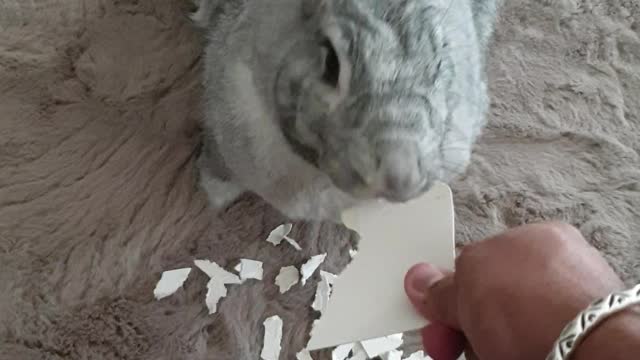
616	338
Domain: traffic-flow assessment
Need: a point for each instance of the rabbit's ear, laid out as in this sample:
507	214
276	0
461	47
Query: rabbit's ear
311	7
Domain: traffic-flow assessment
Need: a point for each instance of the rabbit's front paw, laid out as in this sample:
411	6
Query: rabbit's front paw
220	193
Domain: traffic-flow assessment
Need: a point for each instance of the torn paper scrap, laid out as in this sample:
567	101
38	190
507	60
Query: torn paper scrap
293	243
379	346
287	277
282	233
214	271
170	281
392	355
249	269
218	278
359	356
418	355
304	355
341	352
323	291
278	234
358	352
272	338
216	290
310	267
331	278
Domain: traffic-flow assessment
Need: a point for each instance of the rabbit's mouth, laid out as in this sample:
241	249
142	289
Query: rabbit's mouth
313	156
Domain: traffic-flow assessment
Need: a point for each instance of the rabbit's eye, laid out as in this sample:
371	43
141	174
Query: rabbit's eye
331	64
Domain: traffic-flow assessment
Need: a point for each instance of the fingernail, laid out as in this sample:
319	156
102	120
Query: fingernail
418	280
424	276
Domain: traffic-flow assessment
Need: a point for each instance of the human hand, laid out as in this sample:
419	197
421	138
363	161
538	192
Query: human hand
510	295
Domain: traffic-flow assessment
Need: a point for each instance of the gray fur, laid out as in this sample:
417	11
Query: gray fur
406	107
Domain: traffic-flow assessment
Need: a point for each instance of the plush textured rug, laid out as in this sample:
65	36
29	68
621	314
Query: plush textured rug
98	131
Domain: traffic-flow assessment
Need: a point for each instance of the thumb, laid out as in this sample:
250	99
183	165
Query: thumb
433	293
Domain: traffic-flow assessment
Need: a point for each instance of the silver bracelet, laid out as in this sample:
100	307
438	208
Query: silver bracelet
587	320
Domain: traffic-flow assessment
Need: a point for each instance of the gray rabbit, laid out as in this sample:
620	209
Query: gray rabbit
315	105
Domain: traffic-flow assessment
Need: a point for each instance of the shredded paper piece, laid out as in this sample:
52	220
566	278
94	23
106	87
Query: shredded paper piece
287	277
386	347
278	234
293	243
358	352
304	355
282	233
249	269
359	356
379	346
341	352
311	266
170	281
331	278
218	278
272	338
215	291
214	271
392	355
418	355
323	291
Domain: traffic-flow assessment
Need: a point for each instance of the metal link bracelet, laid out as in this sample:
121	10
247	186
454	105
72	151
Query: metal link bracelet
587	320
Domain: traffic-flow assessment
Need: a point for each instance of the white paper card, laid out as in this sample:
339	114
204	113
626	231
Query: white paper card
368	299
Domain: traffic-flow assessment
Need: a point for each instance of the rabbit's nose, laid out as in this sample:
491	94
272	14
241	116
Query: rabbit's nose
399	173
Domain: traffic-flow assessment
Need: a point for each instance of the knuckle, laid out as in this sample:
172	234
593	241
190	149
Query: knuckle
467	253
559	232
